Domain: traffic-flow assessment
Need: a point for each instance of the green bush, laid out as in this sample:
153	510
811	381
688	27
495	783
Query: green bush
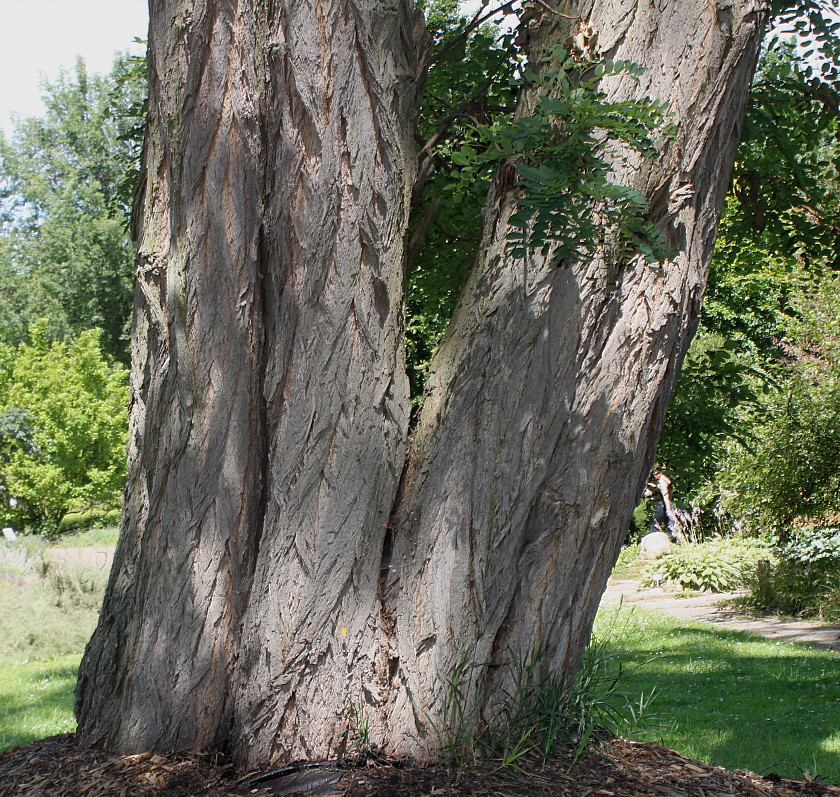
716	566
804	579
68	401
89	519
789	474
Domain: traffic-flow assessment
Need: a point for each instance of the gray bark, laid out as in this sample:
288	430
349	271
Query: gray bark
546	399
269	399
256	601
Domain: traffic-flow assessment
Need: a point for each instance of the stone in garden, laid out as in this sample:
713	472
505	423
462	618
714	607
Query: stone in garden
654	545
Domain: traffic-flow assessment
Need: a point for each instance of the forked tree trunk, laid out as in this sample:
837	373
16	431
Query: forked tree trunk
256	601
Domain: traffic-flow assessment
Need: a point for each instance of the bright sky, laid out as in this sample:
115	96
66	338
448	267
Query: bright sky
38	37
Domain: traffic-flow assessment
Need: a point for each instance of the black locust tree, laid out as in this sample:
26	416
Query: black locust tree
288	556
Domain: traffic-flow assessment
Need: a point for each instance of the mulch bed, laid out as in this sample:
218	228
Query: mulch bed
57	767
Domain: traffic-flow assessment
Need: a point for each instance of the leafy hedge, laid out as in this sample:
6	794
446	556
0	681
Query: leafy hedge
719	565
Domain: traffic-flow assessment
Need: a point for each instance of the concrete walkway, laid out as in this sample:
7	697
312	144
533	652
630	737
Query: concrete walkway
705	608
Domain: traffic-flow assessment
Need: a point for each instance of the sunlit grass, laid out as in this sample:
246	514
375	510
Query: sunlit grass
723	697
90	538
731	698
47	614
36	699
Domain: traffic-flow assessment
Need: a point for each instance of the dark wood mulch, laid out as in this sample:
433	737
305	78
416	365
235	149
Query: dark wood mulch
57	767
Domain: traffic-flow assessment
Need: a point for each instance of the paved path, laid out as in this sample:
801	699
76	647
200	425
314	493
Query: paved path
704	607
96	556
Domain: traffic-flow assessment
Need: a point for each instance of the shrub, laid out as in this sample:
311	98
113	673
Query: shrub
790	472
64	406
814	546
804	579
89	519
716	566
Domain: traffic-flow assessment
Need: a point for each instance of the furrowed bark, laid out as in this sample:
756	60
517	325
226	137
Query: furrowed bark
156	674
338	398
259	598
546	398
269	402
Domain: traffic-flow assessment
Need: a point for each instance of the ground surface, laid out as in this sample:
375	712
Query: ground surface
94	556
56	767
712	608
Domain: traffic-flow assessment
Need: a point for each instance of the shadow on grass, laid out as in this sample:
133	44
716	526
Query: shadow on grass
36	700
731	698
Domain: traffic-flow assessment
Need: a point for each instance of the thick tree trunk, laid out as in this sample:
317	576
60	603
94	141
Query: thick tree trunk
545	401
269	403
256	601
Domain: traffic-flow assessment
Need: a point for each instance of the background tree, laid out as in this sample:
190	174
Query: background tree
62	428
65	254
789	475
778	237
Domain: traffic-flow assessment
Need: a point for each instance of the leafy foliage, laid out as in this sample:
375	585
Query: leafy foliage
471	80
778	236
64	250
718	565
816	25
791	470
786	199
563	152
468	130
816	545
805	577
75	399
717	382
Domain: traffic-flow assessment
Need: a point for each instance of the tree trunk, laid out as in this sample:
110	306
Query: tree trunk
269	399
256	602
545	401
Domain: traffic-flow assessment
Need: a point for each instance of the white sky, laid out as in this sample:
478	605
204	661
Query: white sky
38	37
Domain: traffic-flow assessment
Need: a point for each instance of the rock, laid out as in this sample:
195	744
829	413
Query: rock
654	545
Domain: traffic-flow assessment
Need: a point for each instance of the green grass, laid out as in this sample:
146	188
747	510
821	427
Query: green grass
89	538
629	565
730	698
47	614
36	699
723	697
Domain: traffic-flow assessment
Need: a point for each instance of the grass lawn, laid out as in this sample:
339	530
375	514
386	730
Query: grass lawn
92	537
731	698
36	699
46	617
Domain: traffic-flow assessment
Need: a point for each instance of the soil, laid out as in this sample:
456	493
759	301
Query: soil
58	767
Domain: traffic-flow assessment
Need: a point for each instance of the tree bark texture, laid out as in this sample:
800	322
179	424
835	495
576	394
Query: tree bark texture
272	584
546	398
269	399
